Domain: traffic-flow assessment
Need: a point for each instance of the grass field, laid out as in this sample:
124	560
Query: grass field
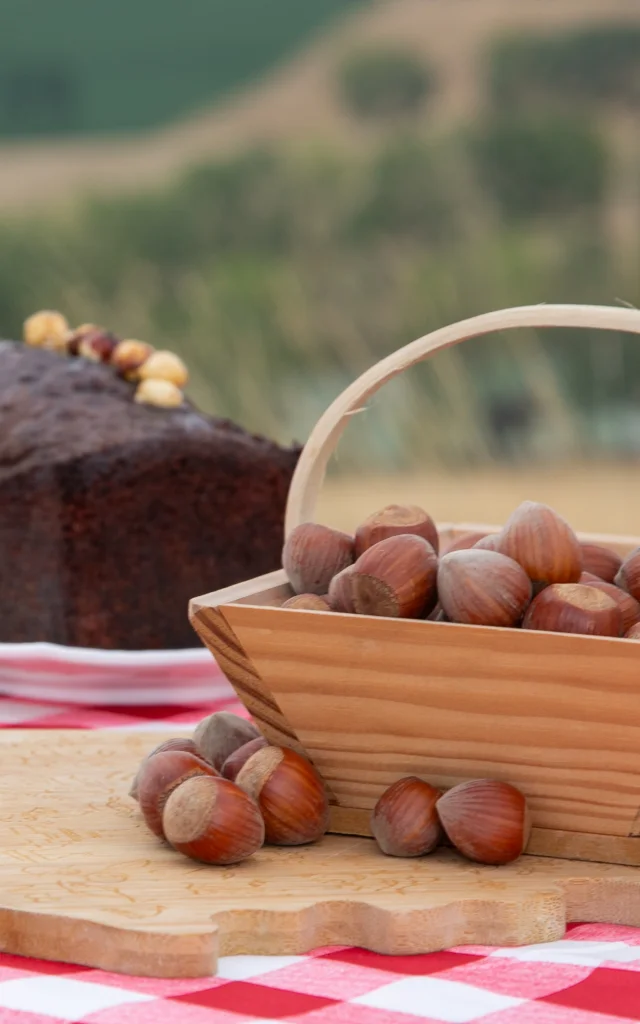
297	102
597	498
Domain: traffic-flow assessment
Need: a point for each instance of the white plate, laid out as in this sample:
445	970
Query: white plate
77	675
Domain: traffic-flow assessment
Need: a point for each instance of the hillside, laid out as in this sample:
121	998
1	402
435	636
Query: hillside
297	102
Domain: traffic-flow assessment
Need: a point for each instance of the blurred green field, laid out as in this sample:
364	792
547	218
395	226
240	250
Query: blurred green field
74	66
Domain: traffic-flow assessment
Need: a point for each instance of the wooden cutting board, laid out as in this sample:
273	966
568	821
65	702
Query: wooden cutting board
82	880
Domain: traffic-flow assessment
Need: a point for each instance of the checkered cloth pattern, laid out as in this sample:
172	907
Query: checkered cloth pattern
592	976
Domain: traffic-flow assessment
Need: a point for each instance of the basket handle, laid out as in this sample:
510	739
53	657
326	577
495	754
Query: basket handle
310	471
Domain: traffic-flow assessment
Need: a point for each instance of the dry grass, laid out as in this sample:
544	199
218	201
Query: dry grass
598	498
297	102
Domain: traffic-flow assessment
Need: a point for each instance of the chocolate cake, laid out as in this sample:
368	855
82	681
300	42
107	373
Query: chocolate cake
114	514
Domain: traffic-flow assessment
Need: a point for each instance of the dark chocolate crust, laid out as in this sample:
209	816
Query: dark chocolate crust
114	514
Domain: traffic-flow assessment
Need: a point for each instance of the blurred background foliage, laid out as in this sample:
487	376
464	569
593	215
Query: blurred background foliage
280	272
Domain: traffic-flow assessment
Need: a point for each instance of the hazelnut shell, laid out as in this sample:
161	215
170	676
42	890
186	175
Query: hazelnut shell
290	794
211	820
461	543
392	521
404	821
172	744
308	603
543	543
628	575
482	588
396	578
602	562
219	734
340	594
239	757
486	820
574	608
629	607
161	774
313	554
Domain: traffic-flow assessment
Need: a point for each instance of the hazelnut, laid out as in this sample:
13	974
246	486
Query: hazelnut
76	334
628	575
462	543
404	822
307	602
396	578
313	555
482	588
600	561
239	757
160	775
589	577
211	820
629	607
543	543
574	608
394	520
128	356
486	820
633	633
219	734
46	329
340	596
98	346
164	366
172	744
158	392
290	794
489	543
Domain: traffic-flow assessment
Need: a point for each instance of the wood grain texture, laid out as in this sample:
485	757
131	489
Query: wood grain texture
82	880
374	699
214	631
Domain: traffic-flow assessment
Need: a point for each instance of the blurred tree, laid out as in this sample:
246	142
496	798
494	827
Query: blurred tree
540	165
596	62
406	195
378	84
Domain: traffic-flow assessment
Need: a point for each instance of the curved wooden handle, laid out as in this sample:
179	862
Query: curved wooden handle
310	471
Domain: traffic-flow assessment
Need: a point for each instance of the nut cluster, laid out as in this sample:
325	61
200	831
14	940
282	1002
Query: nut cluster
160	375
486	820
533	574
219	796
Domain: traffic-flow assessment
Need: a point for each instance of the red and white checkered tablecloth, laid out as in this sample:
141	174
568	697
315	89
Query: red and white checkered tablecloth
592	976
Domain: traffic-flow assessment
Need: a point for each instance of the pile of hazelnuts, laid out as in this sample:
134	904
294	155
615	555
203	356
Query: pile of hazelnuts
533	574
220	795
160	375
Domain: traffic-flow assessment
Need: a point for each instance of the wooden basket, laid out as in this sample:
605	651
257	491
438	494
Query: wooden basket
370	700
